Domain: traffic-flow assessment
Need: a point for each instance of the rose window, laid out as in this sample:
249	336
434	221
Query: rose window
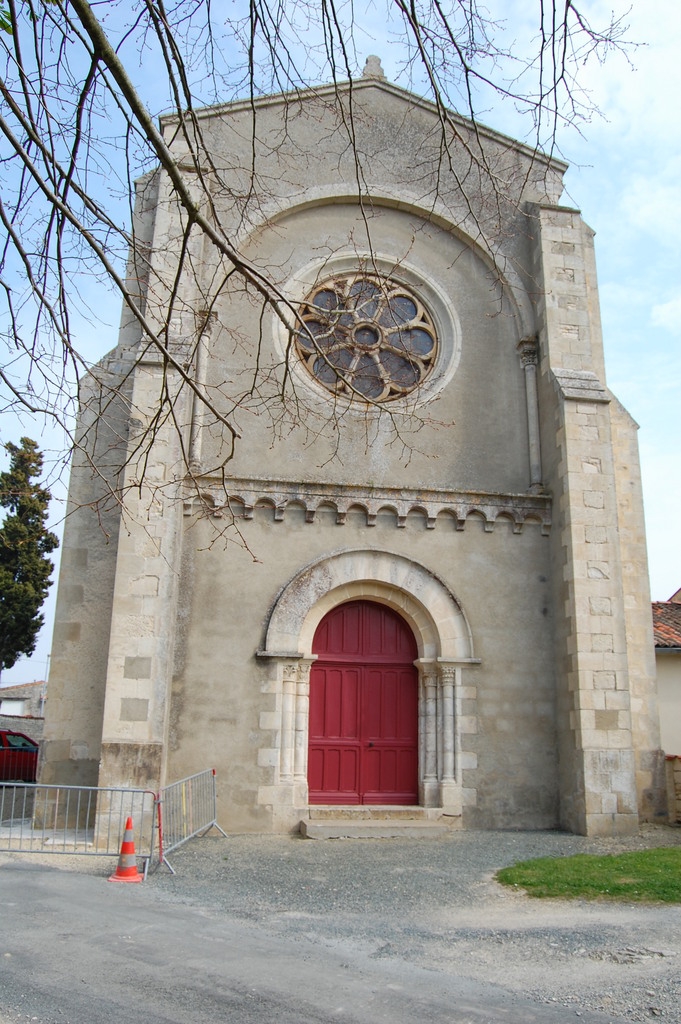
365	336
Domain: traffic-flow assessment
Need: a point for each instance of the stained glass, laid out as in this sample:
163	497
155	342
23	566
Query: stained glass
366	337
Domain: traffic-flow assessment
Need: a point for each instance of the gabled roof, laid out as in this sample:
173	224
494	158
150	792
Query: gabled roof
5	688
667	623
372	78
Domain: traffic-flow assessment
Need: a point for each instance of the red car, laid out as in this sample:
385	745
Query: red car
18	757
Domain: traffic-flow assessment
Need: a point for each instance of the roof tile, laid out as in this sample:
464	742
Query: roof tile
667	623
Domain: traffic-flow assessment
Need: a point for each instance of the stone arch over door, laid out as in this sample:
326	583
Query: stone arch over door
445	648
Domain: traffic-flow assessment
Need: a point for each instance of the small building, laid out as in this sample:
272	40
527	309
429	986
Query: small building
667	632
22	708
420	578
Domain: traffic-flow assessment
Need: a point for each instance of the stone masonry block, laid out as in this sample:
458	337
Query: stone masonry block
627	802
591	467
133	709
600	605
75	558
593	802
617	700
74	593
67	631
145	586
619	739
624	719
571	303
602	642
137	668
606	719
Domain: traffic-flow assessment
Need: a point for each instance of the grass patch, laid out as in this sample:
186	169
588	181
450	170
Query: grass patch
648	876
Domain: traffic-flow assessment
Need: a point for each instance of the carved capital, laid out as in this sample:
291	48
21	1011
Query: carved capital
447	674
289	672
528	350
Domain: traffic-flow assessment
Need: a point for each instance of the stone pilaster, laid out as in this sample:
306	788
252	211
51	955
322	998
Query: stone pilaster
144	606
145	598
597	769
440	736
284	761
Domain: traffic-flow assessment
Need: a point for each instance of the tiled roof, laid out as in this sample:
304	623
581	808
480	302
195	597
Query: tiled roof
18	686
667	623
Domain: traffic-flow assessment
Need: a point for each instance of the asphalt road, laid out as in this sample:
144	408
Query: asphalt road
276	929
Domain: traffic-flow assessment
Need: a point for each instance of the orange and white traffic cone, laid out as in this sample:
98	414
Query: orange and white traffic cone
127	862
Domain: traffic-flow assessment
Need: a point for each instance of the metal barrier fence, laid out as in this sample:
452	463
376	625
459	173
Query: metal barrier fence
76	820
186	809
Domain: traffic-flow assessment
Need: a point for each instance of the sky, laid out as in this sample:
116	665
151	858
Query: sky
625	176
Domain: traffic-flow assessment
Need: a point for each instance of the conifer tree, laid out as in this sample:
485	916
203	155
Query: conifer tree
25	543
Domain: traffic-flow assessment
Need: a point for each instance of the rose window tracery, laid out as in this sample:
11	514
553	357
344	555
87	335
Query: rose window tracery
366	336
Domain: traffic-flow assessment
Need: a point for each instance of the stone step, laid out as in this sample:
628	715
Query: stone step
373	828
360	812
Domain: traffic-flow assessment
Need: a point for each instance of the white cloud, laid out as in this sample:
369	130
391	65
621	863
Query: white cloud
662	497
638	92
652	202
668	315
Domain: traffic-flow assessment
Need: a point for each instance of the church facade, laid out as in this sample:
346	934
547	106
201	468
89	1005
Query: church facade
417	577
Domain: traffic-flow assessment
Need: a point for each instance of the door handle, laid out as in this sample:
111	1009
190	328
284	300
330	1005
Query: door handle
371	744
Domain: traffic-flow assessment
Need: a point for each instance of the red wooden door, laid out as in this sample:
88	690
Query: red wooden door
363	708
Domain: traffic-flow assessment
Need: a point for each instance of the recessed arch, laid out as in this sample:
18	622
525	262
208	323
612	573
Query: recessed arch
432	611
462	227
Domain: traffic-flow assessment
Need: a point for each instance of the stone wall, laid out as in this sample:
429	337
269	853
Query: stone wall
673	780
30	726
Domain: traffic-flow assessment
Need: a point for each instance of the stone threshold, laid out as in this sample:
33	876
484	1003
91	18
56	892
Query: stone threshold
376	822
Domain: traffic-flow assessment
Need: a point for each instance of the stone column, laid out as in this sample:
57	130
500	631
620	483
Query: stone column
301	722
204	324
288	716
422	730
428	735
447	678
528	350
450	790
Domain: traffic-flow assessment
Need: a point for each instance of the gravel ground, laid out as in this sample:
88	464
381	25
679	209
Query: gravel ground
434	904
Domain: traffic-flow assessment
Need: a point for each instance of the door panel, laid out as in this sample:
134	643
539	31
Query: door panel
333	761
363	708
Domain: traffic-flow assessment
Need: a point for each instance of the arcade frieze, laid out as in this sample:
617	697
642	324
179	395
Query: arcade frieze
240	497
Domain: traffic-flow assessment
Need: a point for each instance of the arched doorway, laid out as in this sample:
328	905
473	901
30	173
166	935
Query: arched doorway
363	724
